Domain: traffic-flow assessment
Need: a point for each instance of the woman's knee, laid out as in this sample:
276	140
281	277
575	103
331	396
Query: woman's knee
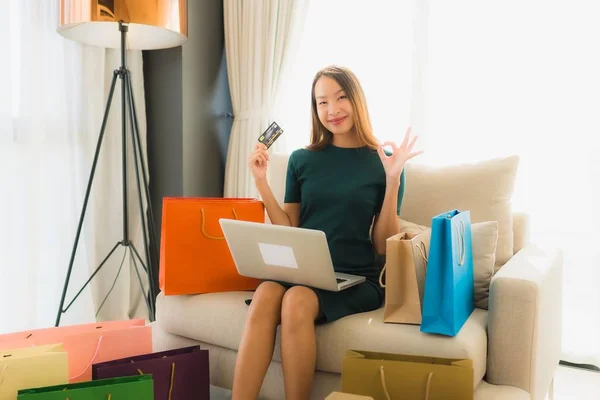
266	301
300	306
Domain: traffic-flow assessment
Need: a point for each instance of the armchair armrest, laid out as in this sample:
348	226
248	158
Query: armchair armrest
525	321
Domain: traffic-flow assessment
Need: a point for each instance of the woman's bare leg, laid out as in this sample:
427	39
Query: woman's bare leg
258	341
300	308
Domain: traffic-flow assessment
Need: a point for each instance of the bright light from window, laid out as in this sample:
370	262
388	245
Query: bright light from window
14	56
375	43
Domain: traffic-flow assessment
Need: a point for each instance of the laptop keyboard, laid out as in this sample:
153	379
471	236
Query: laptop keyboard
339	280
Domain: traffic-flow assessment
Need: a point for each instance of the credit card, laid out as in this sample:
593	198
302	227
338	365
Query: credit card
270	135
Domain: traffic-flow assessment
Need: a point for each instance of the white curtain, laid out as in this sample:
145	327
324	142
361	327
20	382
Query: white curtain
260	39
479	80
52	97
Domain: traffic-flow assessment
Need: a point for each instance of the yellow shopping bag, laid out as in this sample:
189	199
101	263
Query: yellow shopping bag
32	367
346	396
387	376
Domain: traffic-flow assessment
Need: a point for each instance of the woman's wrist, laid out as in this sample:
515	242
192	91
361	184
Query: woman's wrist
392	181
262	185
260	181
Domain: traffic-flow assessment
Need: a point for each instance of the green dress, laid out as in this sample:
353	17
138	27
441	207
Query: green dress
340	190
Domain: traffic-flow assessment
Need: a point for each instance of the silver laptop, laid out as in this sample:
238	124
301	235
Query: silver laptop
286	254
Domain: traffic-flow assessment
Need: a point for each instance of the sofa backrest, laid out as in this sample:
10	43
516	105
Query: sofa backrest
414	212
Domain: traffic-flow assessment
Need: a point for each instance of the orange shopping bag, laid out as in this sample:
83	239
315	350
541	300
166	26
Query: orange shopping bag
87	344
194	256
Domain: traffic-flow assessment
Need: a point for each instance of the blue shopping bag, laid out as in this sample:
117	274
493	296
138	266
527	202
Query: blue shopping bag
449	292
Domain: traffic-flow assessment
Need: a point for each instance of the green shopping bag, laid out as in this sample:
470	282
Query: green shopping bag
140	387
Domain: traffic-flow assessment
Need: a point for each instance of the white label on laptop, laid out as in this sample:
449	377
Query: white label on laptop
279	256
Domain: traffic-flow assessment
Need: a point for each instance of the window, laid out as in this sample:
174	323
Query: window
377	46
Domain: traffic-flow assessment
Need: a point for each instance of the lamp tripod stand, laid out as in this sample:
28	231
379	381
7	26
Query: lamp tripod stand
127	110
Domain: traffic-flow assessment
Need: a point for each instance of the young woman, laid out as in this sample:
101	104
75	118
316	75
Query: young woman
343	183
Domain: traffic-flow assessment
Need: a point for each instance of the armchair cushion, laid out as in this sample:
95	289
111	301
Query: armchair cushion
484	188
219	319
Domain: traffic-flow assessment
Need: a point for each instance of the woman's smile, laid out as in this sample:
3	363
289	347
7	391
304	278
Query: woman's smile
337	121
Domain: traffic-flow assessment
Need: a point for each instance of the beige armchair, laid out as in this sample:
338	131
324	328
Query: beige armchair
515	345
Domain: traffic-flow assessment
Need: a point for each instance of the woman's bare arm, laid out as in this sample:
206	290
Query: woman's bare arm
289	215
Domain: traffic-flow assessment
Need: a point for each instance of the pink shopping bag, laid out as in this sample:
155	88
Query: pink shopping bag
87	344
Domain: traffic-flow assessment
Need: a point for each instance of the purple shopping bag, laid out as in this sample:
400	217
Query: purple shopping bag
179	374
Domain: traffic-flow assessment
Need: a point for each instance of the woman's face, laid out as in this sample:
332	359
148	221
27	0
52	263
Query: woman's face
333	106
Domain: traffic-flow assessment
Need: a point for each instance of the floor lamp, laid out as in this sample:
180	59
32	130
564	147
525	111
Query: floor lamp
124	25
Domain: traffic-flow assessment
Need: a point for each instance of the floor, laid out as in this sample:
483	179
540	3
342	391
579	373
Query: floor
572	383
569	383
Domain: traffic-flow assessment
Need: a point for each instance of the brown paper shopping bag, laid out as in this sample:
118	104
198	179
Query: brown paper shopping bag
405	267
386	376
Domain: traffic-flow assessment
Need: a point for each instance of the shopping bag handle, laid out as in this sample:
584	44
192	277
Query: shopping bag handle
381	276
423	250
172	377
91	361
2	374
460	232
387	394
428	385
204	229
385	391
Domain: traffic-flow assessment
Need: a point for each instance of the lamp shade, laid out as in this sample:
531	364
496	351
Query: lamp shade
152	24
